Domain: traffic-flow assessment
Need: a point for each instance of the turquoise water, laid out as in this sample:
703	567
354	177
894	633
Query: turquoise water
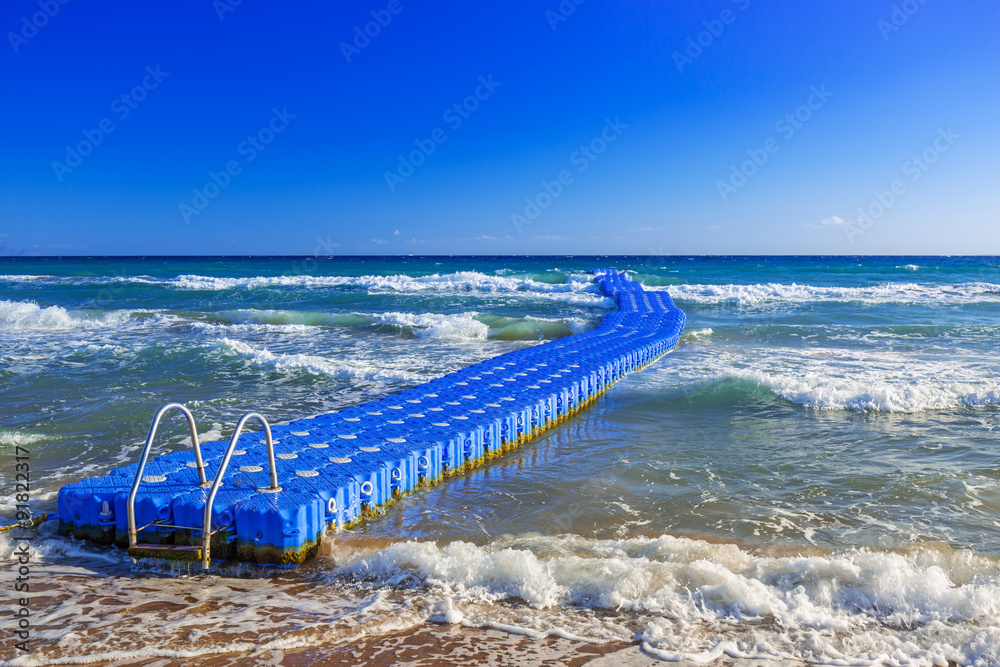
814	472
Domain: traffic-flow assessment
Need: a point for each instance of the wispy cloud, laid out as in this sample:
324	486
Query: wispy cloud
832	221
57	246
550	238
379	241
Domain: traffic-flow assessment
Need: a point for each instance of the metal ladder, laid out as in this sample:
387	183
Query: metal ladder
192	552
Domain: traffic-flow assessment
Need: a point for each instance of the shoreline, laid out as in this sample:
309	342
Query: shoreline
438	645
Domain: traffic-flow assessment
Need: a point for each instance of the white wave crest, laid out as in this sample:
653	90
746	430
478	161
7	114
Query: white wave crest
794	293
879	394
27	315
469	325
577	289
18	278
316	365
700	600
575	325
252	328
18	438
432	325
698	333
572	291
859	378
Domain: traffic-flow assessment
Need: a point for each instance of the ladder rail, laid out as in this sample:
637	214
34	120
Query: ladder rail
274	488
157	524
130	506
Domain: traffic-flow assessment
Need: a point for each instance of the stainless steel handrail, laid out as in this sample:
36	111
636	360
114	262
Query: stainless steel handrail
274	488
130	507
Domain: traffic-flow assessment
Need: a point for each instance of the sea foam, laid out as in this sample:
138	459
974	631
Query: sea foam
695	600
572	291
27	315
860	378
974	292
316	365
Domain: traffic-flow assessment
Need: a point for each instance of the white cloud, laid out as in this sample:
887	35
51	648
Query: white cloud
550	238
834	220
396	233
379	241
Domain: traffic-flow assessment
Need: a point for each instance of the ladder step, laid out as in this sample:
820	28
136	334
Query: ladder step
166	551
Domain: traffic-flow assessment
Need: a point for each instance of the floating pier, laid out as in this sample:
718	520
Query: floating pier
268	496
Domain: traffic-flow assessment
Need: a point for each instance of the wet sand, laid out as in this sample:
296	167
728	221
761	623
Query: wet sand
444	646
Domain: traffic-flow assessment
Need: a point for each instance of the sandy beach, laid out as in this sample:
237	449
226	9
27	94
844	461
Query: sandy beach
445	646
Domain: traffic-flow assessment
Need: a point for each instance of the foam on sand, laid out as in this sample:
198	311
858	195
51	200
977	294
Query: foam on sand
700	601
682	599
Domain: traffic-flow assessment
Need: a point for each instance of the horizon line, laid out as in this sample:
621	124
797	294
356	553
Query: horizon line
457	256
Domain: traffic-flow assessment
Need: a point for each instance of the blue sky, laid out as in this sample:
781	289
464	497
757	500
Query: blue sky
536	127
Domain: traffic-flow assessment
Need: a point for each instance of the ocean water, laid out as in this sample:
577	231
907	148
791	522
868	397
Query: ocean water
813	473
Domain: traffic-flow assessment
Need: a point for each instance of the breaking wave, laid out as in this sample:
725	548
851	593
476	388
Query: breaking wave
27	315
341	370
576	289
18	438
573	291
694	600
888	293
860	379
878	394
471	325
